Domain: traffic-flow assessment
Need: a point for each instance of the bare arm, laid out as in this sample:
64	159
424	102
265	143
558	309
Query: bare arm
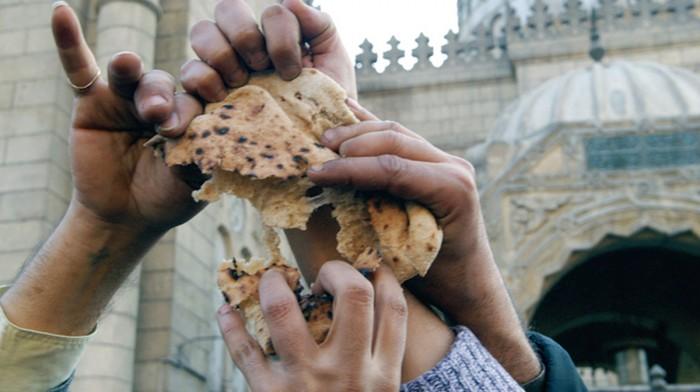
124	197
464	281
69	282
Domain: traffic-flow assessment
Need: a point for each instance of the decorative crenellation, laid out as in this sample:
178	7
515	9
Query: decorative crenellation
575	19
489	40
482	48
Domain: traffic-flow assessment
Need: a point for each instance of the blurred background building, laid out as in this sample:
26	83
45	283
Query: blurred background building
584	126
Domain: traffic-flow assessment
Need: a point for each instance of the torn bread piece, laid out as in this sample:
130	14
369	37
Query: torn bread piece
259	143
409	237
240	281
249	137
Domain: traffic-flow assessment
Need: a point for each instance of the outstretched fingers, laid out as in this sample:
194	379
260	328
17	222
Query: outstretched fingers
288	331
244	350
353	309
78	61
390	320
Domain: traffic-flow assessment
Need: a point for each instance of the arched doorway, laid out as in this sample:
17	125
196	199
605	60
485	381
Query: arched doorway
627	304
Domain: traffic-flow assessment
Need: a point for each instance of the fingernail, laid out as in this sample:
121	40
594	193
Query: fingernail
328	136
316	168
59	3
352	103
155	100
221	95
291	72
225	309
170	124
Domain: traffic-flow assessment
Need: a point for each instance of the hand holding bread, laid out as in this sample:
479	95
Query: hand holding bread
364	348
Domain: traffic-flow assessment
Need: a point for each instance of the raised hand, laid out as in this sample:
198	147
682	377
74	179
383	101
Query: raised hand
290	36
364	348
116	178
464	281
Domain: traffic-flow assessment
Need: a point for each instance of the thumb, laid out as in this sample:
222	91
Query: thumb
317	27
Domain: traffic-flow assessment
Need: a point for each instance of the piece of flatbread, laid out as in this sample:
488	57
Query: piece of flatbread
240	282
410	238
258	144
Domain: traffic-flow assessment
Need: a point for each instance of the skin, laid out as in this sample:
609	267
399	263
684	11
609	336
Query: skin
227	49
364	347
125	199
464	281
378	155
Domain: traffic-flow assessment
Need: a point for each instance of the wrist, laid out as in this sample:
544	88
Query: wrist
473	294
81	219
77	270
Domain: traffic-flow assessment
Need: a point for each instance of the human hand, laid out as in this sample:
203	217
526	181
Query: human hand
385	156
235	45
364	348
117	180
464	280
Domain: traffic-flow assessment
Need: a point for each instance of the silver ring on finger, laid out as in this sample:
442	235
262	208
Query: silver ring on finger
83	88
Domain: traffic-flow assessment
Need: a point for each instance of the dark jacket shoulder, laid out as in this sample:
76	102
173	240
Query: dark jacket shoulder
560	373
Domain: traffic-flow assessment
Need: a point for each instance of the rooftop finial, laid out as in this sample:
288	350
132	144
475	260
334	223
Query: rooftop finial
597	51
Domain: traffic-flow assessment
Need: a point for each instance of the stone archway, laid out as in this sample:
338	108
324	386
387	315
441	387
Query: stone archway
558	244
627	303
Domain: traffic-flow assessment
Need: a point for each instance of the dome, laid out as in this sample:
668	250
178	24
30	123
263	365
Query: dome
605	95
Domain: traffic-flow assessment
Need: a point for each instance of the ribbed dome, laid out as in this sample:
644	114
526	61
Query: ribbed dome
602	95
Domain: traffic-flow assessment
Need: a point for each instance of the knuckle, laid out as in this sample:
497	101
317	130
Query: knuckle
246	40
393	140
244	352
220	57
209	78
285	56
393	125
398	307
280	309
465	177
392	165
465	164
360	293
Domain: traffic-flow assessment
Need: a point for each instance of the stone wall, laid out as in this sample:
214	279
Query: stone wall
457	104
34	113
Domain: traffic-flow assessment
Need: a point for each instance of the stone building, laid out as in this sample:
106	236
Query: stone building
589	173
157	335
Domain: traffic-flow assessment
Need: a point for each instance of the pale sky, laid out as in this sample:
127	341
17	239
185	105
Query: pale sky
378	20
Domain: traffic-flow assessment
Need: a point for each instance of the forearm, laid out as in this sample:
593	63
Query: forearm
485	307
66	286
428	340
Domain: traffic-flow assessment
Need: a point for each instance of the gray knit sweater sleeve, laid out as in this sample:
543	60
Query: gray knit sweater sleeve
467	367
